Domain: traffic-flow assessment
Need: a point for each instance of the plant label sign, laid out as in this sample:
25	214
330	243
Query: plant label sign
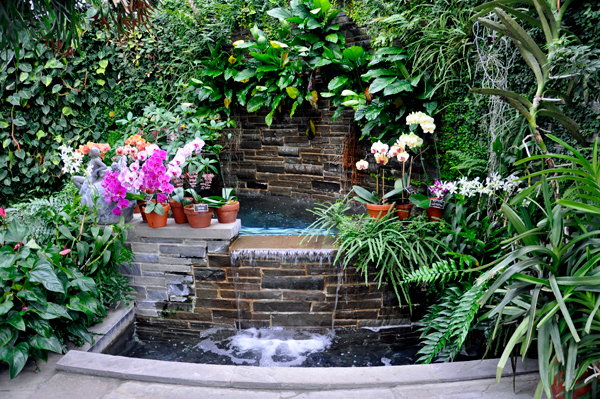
148	198
437	204
200	207
411	190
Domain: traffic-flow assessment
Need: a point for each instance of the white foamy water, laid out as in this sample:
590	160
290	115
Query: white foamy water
273	347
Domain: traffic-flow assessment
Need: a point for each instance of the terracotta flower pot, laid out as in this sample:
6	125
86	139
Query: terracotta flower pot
137	209
378	211
155	220
558	387
403	211
140	204
228	213
197	219
435	214
178	213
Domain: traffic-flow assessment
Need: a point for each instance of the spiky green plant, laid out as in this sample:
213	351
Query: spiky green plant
549	18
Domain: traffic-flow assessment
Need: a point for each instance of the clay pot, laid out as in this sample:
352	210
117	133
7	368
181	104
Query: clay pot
197	219
228	213
378	211
403	211
155	220
140	205
435	214
558	387
137	209
177	209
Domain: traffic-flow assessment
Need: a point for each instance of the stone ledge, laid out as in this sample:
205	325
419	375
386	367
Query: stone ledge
216	231
110	329
276	378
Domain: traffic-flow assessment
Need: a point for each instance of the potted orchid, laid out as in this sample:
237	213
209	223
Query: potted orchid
382	153
148	174
434	204
198	214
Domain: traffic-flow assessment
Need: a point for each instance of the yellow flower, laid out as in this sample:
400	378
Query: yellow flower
237	42
111	114
232	59
245	80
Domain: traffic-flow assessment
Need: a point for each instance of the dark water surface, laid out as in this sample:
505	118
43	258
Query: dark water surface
278	347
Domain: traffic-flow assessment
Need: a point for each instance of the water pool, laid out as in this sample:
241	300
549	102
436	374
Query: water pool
268	215
275	347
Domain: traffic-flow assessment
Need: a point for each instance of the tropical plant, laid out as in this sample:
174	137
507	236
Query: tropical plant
392	248
49	295
544	103
62	22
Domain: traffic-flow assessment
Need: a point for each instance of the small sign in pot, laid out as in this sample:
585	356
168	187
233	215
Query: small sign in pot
198	215
436	209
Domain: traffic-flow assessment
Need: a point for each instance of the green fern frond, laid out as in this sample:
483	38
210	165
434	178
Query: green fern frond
469	164
447	324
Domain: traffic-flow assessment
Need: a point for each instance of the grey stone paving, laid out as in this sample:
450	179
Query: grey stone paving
49	383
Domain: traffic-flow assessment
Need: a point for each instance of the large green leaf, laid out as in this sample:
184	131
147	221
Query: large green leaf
280	13
353	53
16	357
6	334
6	306
337	82
397	87
245	74
43	273
256	103
381	83
292	92
16	320
46	343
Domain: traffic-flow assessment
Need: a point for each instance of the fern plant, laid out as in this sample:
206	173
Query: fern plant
447	325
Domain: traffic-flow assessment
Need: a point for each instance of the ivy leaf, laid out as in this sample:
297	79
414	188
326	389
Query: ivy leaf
337	82
43	273
397	87
381	83
25	67
23	76
103	64
333	38
45	109
292	91
100	82
244	74
53	64
56	88
269	117
67	111
46	80
14	100
280	13
16	357
19	121
255	103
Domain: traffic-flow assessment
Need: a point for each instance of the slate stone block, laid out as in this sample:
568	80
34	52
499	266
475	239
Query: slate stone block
281	306
219	261
189	251
169	249
301	320
326	186
179	289
293	283
156	295
209	274
146	258
134	270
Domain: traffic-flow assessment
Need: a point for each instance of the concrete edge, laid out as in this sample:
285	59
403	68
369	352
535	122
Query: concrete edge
277	378
112	327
